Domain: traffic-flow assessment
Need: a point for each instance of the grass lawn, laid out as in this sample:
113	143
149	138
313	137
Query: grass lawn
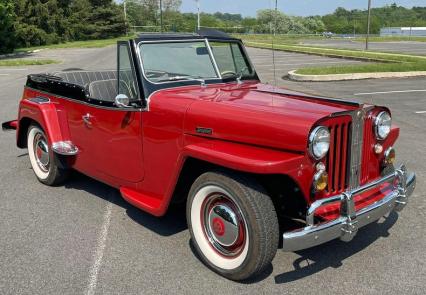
78	44
365	68
332	52
383	61
26	62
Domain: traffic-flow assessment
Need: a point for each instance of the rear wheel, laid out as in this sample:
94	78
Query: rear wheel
233	224
42	157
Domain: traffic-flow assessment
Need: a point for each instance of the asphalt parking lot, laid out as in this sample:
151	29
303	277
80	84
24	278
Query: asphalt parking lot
83	238
407	47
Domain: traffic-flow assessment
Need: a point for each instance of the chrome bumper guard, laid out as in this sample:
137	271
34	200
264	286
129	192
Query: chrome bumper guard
346	226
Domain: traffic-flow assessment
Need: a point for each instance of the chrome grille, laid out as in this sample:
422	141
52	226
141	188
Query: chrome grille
337	161
344	160
356	148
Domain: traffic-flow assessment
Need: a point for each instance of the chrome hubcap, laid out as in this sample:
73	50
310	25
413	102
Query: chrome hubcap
224	225
41	152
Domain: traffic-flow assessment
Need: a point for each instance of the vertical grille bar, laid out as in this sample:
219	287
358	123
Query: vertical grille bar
337	164
368	145
344	155
331	158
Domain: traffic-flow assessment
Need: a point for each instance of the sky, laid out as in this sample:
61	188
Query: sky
291	7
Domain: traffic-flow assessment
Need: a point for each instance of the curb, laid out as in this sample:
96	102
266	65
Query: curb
18	54
355	76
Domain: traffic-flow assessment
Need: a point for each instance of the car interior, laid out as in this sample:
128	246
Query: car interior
102	85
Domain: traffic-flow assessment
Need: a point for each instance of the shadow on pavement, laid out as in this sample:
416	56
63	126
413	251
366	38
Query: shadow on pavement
333	253
266	273
172	223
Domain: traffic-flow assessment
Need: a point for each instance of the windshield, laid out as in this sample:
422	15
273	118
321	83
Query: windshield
231	60
168	61
191	60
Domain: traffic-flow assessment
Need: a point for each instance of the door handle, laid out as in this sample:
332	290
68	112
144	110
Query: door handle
86	119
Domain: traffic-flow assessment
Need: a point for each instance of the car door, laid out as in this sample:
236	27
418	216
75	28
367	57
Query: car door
115	132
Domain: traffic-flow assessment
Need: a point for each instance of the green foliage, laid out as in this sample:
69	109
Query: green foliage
7	17
344	21
25	23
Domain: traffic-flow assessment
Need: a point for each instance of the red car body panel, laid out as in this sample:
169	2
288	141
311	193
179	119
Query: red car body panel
142	152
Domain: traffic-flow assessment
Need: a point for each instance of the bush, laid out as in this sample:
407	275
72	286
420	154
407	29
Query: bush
7	18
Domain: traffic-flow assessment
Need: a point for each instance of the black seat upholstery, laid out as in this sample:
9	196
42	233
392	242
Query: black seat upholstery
105	90
102	85
84	78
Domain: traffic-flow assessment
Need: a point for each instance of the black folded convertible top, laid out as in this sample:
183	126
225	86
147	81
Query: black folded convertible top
201	34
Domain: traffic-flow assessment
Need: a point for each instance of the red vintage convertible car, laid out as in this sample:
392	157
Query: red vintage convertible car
185	118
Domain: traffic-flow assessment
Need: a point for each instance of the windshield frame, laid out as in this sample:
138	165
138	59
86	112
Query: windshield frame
206	41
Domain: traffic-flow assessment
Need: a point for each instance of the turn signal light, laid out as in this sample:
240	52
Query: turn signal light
390	156
320	181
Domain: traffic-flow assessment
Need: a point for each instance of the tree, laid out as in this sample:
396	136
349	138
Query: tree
7	31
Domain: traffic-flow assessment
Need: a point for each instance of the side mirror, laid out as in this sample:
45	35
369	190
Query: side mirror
122	101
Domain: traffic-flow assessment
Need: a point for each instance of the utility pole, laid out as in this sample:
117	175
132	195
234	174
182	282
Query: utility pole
368	25
161	16
198	15
125	15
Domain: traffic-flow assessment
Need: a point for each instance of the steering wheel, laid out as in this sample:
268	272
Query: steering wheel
155	73
226	73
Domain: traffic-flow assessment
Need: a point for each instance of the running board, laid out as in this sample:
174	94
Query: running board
142	201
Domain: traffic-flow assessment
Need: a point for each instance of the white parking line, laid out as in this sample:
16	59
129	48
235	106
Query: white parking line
100	248
387	92
4	74
421	112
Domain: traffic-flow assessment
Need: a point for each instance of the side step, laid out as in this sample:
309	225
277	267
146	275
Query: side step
142	201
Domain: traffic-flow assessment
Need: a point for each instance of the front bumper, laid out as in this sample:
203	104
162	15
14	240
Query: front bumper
346	226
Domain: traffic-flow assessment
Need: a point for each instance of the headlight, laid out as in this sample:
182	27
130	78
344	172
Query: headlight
383	125
319	142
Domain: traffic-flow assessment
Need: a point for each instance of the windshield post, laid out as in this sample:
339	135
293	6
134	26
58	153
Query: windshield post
213	58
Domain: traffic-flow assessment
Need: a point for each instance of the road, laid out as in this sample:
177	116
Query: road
82	238
407	47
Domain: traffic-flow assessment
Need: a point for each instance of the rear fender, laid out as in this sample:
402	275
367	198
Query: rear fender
51	117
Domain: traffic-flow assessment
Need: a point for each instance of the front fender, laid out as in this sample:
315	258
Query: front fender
242	157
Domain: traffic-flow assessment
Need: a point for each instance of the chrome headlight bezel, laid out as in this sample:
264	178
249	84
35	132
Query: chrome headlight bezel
382	131
314	140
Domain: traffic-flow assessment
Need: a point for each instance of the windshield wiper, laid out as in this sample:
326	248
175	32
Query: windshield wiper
185	78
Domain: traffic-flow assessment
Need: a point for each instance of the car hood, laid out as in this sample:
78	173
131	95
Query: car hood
257	114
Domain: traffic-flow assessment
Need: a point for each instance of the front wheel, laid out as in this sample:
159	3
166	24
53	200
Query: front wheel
42	157
233	224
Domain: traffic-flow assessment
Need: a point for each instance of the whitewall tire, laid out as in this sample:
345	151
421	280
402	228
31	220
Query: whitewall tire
233	224
42	157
